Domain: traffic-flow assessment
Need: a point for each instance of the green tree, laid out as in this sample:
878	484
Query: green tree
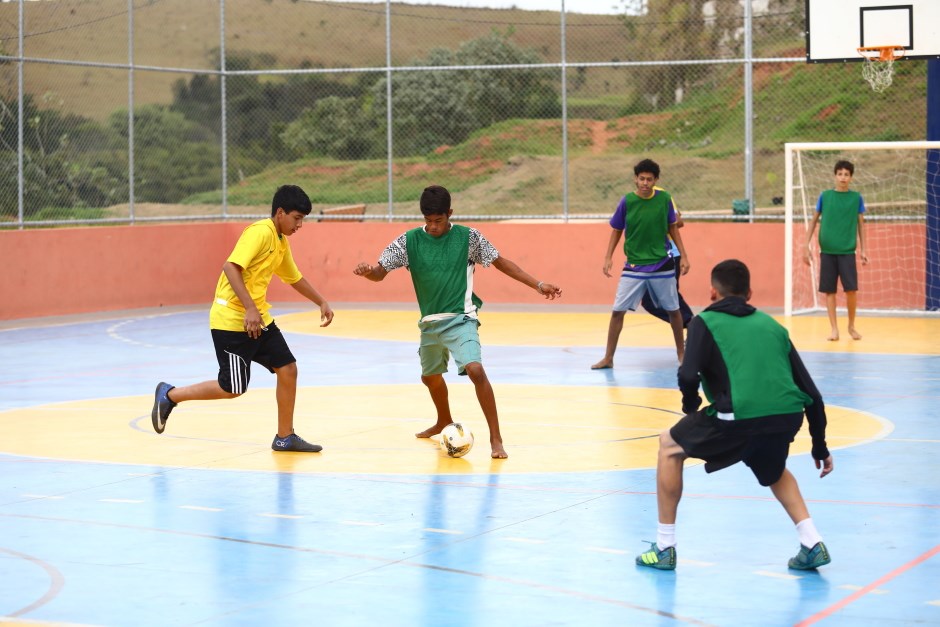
443	106
174	157
333	127
679	30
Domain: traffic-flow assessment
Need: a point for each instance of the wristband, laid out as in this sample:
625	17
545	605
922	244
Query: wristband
538	287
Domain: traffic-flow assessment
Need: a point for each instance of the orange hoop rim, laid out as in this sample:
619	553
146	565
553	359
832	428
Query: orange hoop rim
885	53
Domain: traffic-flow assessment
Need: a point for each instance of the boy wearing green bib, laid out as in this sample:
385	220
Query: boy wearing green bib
758	390
842	226
442	257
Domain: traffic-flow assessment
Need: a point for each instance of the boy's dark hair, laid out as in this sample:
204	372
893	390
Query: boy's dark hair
731	278
291	198
435	200
842	164
647	165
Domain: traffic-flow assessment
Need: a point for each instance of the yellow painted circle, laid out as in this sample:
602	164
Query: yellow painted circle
545	327
370	429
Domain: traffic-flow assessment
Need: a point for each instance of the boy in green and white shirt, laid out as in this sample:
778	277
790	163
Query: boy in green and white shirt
442	257
841	229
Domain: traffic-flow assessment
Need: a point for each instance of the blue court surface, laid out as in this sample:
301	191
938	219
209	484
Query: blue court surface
104	522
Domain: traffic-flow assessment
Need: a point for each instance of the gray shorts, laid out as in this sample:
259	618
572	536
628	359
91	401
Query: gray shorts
841	267
661	286
457	336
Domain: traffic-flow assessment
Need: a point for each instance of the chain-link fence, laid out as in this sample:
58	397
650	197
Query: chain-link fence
520	113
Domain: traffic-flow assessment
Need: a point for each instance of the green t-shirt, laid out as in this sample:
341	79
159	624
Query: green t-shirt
646	226
756	351
838	221
441	271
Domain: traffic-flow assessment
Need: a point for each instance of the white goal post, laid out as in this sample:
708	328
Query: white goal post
899	186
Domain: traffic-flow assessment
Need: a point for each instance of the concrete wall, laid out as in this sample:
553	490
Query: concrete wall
49	272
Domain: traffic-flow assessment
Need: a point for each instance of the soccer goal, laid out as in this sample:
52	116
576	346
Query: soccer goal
900	186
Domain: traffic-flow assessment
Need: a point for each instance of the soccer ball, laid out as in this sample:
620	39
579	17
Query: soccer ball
456	440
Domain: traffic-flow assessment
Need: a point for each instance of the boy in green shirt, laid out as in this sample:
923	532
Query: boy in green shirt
758	390
441	257
649	223
840	229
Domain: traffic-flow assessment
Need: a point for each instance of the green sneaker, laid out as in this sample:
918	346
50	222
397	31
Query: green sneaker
810	559
654	558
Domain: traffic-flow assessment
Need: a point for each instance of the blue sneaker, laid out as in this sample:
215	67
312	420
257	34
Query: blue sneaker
295	443
810	559
654	558
162	406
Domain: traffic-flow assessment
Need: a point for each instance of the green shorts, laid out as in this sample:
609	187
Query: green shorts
441	338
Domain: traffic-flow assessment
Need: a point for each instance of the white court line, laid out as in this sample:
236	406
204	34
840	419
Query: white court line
200	508
937	602
450	531
288	516
42	496
601	549
849	586
767	573
120	501
524	540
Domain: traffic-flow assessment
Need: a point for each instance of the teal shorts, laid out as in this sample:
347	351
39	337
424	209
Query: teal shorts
441	338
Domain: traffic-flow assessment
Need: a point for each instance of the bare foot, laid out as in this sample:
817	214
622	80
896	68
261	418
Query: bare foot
435	430
855	334
833	337
498	451
603	364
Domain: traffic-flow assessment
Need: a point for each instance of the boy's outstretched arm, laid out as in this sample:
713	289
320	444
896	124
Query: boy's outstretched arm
510	269
373	273
253	322
861	240
808	249
611	247
308	291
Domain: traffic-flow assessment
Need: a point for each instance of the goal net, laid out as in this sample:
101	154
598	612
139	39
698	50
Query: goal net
900	186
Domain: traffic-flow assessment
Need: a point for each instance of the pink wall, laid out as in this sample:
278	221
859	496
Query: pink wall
50	272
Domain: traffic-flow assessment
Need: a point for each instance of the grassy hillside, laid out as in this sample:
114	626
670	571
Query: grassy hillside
515	167
288	34
511	168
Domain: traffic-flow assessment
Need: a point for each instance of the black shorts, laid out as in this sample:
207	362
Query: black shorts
760	443
235	351
842	267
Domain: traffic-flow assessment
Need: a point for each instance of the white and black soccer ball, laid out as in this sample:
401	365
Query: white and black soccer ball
456	439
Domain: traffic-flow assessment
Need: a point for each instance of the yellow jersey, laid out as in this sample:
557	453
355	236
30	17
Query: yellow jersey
261	253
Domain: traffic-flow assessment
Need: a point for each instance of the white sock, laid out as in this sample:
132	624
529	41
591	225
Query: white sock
808	534
665	536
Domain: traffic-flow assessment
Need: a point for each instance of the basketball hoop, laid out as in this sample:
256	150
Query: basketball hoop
879	65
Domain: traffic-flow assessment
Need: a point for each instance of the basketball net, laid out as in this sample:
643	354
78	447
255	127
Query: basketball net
879	65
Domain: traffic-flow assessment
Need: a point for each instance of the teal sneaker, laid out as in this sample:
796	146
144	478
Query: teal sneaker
295	443
654	558
810	559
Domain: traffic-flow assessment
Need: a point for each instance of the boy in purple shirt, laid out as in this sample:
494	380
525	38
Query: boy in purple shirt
645	216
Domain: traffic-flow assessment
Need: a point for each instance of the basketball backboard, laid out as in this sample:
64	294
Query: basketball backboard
836	29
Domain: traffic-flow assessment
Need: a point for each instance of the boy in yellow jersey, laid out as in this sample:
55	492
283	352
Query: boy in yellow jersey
242	327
